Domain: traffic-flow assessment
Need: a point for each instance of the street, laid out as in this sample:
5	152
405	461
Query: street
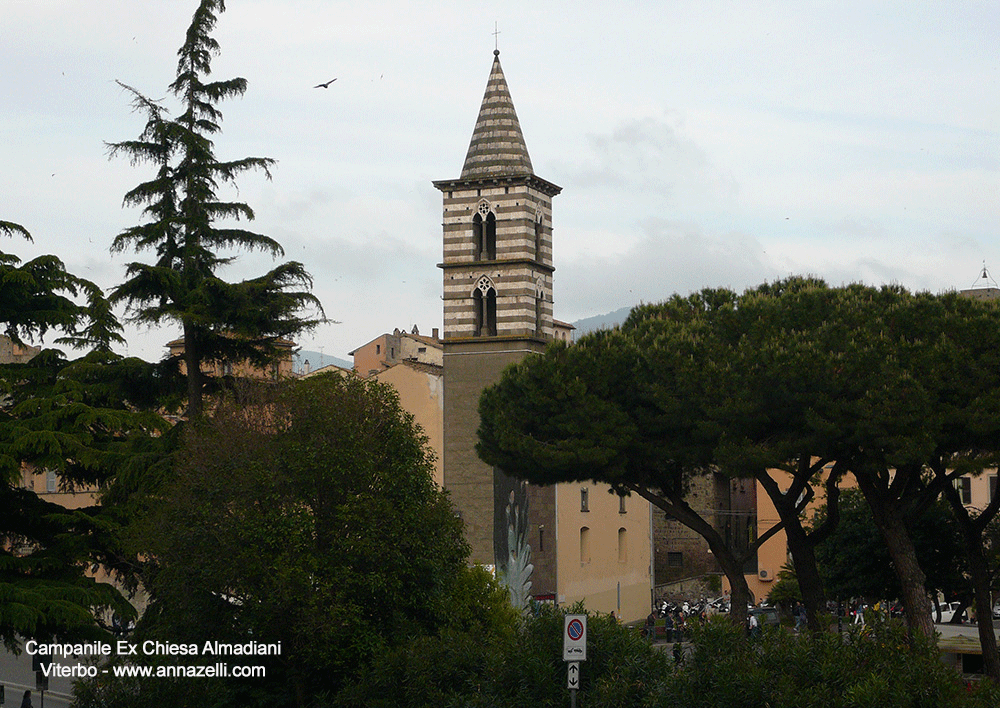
16	676
970	631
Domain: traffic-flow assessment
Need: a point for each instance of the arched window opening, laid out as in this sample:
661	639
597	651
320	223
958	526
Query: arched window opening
585	544
490	241
538	239
484	299
484	233
622	545
478	234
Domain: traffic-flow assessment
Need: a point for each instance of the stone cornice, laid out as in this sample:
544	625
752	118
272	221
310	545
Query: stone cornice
488	264
544	186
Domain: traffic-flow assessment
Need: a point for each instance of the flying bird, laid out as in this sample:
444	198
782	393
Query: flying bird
326	85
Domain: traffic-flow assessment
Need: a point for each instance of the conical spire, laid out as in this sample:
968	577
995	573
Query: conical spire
497	147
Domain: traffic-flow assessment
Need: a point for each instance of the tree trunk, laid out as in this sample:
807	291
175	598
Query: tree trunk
911	579
956	616
732	565
889	521
803	555
979	571
739	597
972	532
192	364
800	546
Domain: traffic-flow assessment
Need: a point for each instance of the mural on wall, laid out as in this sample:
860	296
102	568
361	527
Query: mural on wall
510	537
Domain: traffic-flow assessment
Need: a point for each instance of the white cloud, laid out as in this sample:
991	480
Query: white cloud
669	257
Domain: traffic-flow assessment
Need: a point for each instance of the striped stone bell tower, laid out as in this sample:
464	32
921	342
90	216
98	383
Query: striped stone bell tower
497	269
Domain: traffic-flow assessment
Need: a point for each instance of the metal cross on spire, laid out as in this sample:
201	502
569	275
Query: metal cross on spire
496	40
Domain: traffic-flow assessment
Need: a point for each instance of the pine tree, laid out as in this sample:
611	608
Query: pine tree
55	417
222	321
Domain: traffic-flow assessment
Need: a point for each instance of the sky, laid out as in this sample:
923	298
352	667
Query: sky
698	144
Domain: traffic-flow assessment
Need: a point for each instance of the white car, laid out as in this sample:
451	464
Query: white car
948	610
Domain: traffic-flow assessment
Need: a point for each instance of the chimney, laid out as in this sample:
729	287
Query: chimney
434	334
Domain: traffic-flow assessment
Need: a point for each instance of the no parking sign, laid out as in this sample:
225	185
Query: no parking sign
575	638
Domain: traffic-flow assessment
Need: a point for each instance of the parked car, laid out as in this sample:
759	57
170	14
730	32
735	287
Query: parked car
948	610
765	615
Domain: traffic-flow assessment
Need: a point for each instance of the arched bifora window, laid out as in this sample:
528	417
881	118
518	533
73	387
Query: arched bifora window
484	298
484	233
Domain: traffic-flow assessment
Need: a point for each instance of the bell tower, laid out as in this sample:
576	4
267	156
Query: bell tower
497	231
497	292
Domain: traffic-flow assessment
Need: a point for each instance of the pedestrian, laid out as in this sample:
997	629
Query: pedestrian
614	618
668	626
651	626
26	701
754	626
800	616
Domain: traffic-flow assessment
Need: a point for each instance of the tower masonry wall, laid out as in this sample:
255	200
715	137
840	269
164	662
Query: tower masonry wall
468	369
521	271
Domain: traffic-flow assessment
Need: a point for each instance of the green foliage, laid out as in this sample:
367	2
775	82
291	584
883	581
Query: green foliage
780	381
184	224
91	423
855	562
871	667
623	407
714	584
38	296
785	592
479	605
306	513
45	590
523	667
58	416
77	417
887	383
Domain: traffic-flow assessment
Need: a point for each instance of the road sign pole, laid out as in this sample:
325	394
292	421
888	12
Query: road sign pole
572	680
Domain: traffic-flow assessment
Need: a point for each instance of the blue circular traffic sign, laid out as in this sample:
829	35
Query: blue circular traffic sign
575	629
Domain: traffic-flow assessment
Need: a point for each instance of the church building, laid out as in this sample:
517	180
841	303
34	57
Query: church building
565	542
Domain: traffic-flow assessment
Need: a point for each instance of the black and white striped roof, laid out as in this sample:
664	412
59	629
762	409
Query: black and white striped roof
497	148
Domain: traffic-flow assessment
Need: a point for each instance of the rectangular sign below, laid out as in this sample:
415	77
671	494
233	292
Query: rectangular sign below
575	638
573	675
